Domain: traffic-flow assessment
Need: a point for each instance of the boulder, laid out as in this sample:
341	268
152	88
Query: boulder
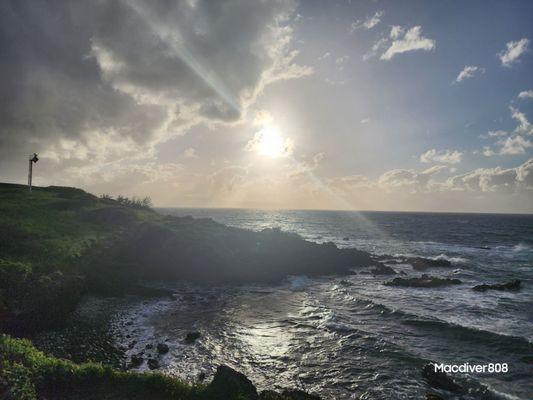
424	281
292	394
228	384
153	363
191	337
511	285
382	269
162	348
136	360
440	380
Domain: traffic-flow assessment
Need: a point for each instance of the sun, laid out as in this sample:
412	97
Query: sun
270	142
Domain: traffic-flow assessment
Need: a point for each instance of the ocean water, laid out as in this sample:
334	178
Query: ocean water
352	337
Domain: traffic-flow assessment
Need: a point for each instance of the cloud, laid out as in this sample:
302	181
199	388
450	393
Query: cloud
447	156
396	31
491	134
375	48
412	40
107	81
513	51
369	23
514	145
526	94
341	61
409	179
426	181
469	71
511	143
493	179
524	126
190	153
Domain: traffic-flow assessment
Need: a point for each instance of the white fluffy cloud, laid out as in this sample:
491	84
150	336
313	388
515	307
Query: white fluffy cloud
469	71
513	51
511	143
514	145
480	180
369	23
410	41
526	94
445	156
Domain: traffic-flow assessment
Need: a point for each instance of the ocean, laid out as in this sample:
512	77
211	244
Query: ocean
351	337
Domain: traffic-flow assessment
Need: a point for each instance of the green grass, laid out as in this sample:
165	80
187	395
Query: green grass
50	228
28	374
50	243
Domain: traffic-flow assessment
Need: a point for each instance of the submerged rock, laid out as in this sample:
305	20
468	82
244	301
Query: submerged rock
162	348
292	394
424	281
440	380
136	360
382	269
422	264
191	337
511	285
432	396
153	363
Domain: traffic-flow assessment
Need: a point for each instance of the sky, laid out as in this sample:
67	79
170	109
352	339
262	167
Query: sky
362	105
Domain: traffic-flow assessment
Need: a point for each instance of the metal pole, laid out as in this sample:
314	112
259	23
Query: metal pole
30	168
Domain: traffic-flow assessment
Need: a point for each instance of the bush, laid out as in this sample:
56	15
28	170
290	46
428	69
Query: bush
135	202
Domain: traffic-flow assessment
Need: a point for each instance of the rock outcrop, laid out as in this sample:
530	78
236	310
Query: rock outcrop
382	269
423	264
513	285
424	281
230	384
440	380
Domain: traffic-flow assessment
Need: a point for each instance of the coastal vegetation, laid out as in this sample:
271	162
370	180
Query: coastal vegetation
58	244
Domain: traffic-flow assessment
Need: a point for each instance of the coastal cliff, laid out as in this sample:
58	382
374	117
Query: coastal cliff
58	244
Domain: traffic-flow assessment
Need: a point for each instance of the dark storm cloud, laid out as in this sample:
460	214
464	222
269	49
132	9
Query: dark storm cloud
87	74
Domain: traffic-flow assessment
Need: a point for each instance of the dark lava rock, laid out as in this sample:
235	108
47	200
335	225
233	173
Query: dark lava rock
149	346
162	348
136	360
153	363
425	281
432	396
201	377
192	337
292	394
439	379
381	269
511	285
228	384
422	264
345	238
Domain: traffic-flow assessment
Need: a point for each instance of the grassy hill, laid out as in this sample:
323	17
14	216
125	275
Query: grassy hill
58	243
